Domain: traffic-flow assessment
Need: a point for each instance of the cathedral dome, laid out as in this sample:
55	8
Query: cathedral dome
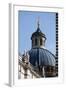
41	57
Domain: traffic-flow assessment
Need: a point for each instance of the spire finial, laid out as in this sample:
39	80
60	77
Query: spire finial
38	22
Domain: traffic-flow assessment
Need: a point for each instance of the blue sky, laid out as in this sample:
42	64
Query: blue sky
27	24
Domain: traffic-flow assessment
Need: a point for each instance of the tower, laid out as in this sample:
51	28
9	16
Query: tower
38	38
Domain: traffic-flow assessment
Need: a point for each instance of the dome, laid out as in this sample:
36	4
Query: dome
38	33
41	57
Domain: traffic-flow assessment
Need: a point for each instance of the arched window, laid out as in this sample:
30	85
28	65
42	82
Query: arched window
35	41
41	41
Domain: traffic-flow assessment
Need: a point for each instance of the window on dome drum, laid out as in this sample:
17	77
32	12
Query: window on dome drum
49	69
35	41
40	41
